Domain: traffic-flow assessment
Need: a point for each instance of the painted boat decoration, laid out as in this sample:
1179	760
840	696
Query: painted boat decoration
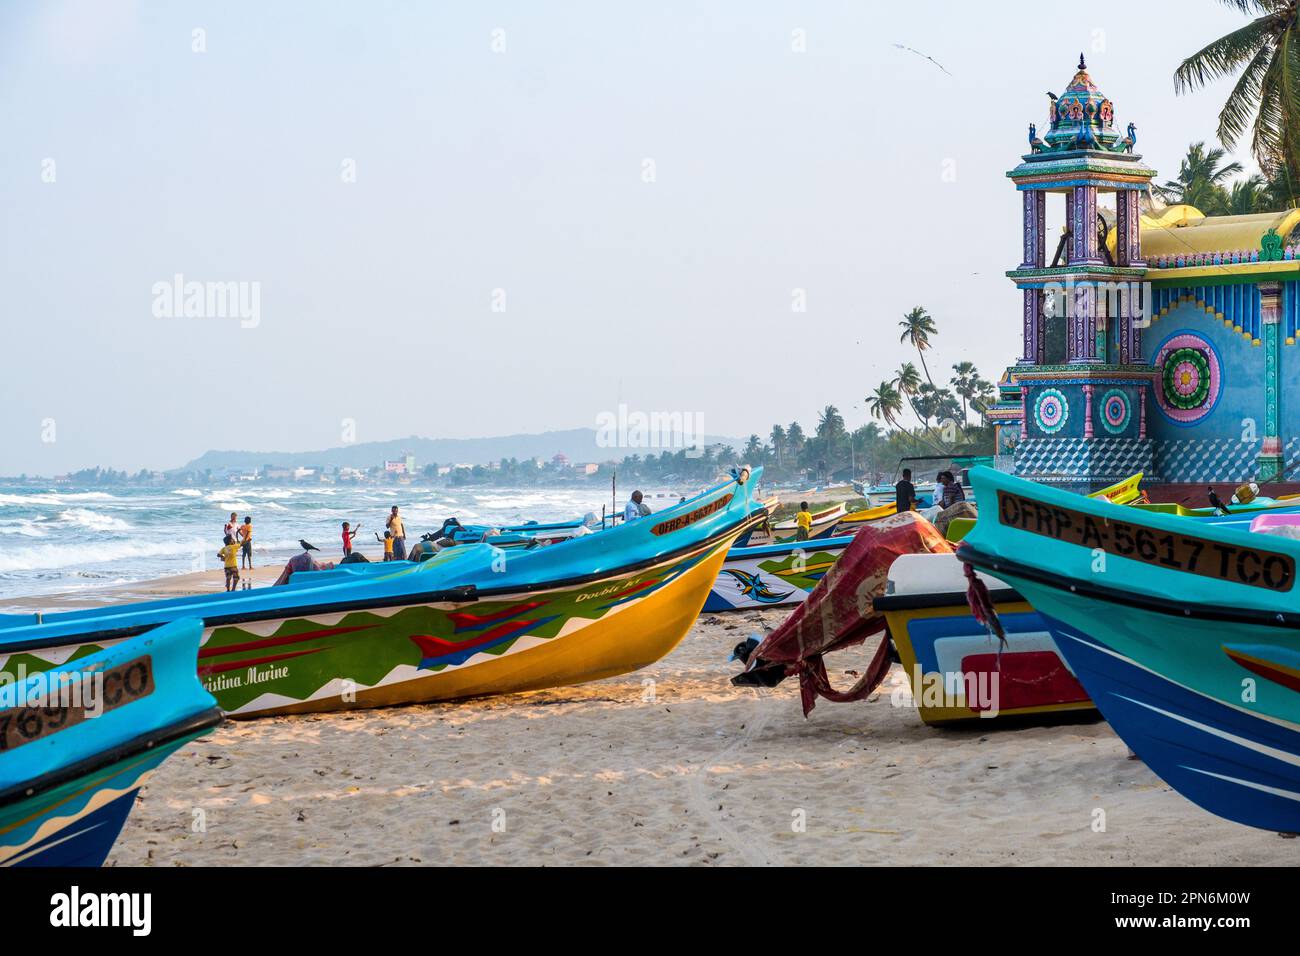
468	621
773	575
78	741
1185	634
956	669
1122	492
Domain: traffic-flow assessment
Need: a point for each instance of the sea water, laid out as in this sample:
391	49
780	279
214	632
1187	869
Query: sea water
59	539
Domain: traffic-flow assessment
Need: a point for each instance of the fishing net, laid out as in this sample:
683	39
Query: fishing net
840	613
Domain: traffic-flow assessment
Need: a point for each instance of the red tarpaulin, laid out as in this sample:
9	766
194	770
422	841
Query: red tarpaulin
840	612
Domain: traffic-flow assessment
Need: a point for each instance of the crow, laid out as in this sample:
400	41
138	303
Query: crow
307	547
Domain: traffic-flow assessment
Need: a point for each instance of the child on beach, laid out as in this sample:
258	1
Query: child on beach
348	534
387	542
230	555
246	541
803	521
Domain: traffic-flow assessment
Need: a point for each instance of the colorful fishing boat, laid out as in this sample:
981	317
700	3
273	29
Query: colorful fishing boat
467	621
852	522
1185	634
956	669
773	575
77	741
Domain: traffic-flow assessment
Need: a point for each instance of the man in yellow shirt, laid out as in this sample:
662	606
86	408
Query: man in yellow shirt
394	524
803	521
245	537
230	555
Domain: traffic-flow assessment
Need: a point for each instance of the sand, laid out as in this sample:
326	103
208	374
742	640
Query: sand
670	765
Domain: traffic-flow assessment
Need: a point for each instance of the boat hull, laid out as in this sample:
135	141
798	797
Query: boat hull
1185	635
561	637
1227	758
77	823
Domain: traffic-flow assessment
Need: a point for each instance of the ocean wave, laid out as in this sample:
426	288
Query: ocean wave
78	555
92	520
188	492
55	498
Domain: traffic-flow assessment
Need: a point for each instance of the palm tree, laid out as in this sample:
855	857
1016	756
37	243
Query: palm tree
917	328
963	383
908	382
1248	195
754	449
778	441
1201	176
885	403
1266	97
830	429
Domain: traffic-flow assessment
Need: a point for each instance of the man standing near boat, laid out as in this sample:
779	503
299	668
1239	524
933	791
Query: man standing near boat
952	490
905	492
635	508
803	521
394	525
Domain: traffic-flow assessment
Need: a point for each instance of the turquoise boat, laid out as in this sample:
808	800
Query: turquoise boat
1185	634
77	742
468	621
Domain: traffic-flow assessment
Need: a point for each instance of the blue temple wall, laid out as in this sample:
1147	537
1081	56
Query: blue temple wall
1218	435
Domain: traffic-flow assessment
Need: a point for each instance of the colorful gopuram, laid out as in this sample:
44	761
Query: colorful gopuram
1156	339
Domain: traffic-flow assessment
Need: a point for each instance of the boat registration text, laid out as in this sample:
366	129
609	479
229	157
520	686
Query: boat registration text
1176	552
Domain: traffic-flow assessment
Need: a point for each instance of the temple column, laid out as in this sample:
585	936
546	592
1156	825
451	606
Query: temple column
1087	411
1132	309
1269	463
1082	344
1128	236
1035	228
1035	328
1083	205
1024	412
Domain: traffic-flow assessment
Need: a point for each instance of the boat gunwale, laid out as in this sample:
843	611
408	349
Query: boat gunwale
924	600
984	561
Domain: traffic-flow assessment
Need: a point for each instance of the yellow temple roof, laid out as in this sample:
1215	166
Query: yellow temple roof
1185	230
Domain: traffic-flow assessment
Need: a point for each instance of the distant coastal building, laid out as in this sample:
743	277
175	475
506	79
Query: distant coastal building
1158	341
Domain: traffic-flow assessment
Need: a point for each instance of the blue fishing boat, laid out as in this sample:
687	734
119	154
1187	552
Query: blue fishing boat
470	620
77	742
1185	634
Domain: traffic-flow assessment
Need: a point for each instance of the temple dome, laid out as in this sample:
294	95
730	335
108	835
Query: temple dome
1082	118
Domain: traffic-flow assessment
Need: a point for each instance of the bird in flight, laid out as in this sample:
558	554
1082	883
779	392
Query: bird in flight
920	54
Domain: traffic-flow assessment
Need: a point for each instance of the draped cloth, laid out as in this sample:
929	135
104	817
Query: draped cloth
840	613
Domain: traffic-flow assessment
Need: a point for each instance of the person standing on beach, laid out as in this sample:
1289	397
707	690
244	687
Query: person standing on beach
398	530
803	521
952	490
229	530
905	492
246	542
230	556
387	542
348	534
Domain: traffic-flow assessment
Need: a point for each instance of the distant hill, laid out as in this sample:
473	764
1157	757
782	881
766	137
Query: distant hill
579	444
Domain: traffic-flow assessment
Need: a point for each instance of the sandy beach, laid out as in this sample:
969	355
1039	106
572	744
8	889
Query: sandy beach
670	765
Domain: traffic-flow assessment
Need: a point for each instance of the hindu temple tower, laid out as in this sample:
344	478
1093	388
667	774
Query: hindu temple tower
1155	338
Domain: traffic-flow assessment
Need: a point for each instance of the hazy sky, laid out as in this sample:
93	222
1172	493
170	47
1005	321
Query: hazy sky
521	169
